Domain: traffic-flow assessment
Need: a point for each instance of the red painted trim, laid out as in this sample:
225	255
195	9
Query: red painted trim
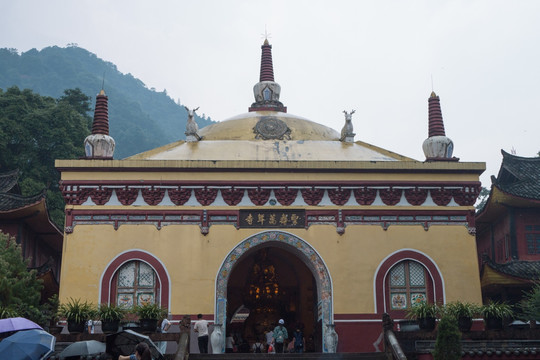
380	280
106	282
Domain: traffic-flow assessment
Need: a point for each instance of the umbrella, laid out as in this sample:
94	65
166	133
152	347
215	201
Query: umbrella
16	324
32	344
124	342
90	347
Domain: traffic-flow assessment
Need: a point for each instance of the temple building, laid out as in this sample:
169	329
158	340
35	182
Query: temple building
267	216
26	219
508	234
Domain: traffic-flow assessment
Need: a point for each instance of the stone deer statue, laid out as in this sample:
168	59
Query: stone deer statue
347	133
192	129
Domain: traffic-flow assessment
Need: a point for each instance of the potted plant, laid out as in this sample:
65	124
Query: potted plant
149	314
495	313
425	314
110	316
463	312
77	313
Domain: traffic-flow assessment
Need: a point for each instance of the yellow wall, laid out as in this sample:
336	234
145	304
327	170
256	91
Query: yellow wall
193	260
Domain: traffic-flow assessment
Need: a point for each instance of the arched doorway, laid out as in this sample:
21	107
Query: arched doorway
292	278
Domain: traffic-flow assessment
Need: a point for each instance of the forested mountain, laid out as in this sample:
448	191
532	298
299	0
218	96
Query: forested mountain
34	131
140	118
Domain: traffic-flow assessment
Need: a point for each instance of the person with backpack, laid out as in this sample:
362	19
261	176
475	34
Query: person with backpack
258	347
299	340
280	334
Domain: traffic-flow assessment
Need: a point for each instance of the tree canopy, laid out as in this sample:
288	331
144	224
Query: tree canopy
19	287
34	131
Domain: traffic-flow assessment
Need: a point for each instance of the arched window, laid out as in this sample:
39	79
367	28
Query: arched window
403	277
408	284
136	283
109	279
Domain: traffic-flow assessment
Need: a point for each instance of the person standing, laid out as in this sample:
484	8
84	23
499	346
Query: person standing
269	334
229	344
165	326
299	340
280	334
201	328
258	347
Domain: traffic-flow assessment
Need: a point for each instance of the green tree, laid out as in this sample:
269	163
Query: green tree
483	197
448	342
34	131
19	288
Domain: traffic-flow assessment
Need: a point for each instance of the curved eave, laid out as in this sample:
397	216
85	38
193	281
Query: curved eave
131	165
37	218
491	277
498	203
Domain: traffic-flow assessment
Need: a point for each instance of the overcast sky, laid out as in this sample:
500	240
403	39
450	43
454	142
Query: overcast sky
381	58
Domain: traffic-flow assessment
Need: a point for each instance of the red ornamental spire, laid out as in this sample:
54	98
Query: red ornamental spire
267	69
436	125
101	115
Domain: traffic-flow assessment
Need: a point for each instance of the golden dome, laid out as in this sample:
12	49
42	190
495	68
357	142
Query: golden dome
267	125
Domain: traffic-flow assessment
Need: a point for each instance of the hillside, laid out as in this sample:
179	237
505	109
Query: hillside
140	118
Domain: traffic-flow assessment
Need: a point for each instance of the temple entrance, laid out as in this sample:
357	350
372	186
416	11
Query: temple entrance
270	276
268	285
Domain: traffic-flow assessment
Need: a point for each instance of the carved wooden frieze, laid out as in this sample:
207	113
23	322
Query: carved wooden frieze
205	196
101	196
179	196
312	196
416	196
339	196
232	196
365	195
127	196
153	196
285	194
259	196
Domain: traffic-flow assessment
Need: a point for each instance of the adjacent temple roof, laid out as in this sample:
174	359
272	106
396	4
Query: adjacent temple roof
29	209
12	201
519	176
516	185
526	270
8	180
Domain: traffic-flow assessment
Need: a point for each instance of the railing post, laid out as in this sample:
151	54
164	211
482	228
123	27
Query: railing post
182	353
392	348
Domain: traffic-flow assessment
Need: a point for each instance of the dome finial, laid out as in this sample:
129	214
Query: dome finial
266	36
99	144
267	91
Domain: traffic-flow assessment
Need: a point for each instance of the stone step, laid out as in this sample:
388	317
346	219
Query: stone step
304	356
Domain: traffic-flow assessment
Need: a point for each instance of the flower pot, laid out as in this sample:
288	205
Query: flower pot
494	323
427	323
464	323
148	325
109	326
75	327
